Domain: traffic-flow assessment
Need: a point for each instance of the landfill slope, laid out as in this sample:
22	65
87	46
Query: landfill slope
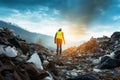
20	60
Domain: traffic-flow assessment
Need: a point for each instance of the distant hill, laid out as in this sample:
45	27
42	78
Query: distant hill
30	37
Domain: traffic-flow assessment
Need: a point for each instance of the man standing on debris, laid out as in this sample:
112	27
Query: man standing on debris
58	39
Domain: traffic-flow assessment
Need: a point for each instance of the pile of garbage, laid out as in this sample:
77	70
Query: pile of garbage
91	46
20	60
97	59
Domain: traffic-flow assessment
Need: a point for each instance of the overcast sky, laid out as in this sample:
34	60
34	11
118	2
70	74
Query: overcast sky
79	19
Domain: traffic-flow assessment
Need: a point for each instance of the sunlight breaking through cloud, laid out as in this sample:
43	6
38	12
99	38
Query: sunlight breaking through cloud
77	20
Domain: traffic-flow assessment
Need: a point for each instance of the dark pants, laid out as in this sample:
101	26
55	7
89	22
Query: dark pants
59	46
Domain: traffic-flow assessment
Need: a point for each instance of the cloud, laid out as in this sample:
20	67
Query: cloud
74	16
32	20
100	30
42	22
77	11
6	11
115	18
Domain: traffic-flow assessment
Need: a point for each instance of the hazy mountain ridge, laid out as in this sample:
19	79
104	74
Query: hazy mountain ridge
31	37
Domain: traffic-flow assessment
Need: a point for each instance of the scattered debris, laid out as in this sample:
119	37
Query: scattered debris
97	59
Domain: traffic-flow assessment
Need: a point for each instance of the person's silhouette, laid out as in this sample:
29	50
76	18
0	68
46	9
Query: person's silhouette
58	39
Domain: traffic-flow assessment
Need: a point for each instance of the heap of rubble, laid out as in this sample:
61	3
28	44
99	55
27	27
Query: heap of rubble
20	60
90	57
91	46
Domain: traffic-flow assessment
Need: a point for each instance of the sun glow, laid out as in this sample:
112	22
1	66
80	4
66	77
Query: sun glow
75	33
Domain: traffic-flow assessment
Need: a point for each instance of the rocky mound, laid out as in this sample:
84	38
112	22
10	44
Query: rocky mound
97	59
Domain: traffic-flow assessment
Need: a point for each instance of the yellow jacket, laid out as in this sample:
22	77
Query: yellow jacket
59	35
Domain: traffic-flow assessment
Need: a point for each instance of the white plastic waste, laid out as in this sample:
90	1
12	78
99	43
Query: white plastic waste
47	78
112	55
8	51
36	60
96	61
97	70
45	62
73	74
2	51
